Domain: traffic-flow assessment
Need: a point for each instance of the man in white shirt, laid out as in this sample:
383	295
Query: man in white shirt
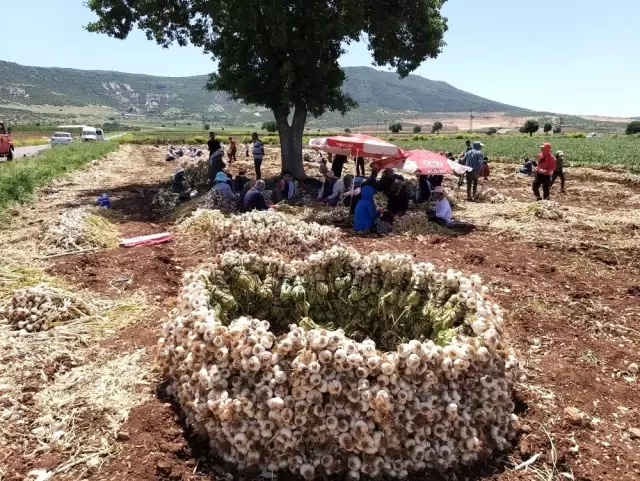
443	208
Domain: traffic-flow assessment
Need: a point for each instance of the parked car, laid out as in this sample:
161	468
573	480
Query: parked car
6	143
99	134
89	133
61	138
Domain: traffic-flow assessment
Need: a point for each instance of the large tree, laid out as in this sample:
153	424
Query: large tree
283	54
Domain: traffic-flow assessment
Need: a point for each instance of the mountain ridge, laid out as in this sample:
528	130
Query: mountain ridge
156	97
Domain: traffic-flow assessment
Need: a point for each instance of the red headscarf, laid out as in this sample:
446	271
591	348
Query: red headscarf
546	160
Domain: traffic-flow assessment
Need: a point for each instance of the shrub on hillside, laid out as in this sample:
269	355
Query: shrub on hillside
633	128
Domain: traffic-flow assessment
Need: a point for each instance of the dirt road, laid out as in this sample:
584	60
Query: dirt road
22	152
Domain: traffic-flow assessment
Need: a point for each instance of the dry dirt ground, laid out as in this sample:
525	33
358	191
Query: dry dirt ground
86	403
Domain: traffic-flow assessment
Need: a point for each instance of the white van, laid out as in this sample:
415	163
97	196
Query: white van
89	133
99	134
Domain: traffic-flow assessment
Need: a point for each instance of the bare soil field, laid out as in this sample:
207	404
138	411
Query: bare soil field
88	403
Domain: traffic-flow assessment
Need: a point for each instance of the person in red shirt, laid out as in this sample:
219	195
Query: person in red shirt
544	171
232	150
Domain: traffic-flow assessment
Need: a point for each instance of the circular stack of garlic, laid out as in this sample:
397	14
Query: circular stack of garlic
39	308
315	401
257	230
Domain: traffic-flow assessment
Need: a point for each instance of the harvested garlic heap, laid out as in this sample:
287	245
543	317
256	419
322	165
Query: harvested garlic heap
491	196
215	199
165	200
78	229
332	215
257	230
415	223
546	209
196	171
316	402
40	308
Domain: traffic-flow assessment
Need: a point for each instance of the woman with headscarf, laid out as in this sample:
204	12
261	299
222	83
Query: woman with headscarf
385	182
326	190
544	171
365	213
221	184
398	199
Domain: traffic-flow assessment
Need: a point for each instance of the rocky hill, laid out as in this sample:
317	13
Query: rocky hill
378	93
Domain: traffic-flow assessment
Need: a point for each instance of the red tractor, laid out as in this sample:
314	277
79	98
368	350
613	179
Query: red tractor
6	143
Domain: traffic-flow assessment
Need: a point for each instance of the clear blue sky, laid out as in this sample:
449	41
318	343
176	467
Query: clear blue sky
568	56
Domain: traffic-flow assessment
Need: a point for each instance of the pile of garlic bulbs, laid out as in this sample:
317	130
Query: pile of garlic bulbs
331	215
491	196
262	230
165	200
77	229
214	199
415	223
42	307
196	170
288	394
546	209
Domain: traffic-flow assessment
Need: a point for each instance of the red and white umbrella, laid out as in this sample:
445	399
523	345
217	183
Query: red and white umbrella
357	145
422	162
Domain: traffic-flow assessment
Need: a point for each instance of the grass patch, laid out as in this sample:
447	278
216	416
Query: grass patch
20	179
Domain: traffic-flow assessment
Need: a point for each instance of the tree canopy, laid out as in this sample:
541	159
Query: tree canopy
417	129
548	127
530	127
633	127
284	55
395	127
437	127
269	126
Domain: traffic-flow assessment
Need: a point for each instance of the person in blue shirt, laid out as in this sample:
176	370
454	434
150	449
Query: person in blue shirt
474	158
254	199
221	184
366	212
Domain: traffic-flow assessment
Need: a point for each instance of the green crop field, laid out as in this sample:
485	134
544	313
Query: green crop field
605	151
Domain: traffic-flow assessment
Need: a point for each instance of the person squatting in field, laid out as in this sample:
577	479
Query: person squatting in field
544	170
559	172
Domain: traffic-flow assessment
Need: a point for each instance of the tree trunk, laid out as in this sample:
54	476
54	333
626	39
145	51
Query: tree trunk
291	140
